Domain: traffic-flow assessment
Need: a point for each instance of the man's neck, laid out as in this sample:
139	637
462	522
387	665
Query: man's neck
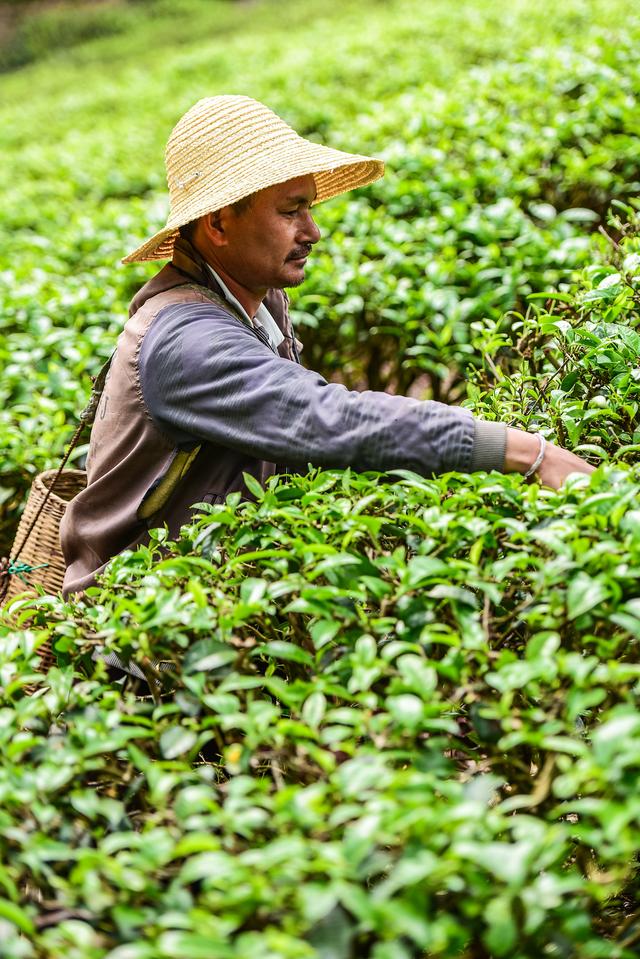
249	299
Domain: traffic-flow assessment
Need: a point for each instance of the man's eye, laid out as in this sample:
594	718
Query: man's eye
289	212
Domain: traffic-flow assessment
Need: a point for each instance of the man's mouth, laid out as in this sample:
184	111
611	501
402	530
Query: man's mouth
300	254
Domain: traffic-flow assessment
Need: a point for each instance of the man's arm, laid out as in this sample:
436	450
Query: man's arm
205	376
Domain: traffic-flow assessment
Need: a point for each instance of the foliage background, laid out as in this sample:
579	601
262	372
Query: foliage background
403	721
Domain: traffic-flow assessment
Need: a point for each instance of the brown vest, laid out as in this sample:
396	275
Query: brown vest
131	463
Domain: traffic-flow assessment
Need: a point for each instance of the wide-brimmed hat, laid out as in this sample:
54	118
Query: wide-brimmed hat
226	148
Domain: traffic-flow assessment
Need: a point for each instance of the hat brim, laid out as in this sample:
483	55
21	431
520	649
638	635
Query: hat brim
334	173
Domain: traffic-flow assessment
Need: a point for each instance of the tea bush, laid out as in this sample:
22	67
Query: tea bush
572	369
36	34
446	239
401	719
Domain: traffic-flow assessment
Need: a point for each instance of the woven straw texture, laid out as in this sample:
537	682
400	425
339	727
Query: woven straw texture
226	148
43	545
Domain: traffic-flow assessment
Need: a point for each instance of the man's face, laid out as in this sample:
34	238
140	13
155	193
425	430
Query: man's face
268	242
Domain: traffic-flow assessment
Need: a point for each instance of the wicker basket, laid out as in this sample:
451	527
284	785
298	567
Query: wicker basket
43	543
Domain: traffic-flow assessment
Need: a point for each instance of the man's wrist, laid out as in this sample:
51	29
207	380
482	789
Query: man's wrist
537	463
521	451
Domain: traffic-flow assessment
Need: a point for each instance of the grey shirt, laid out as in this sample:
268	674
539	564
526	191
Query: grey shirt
205	376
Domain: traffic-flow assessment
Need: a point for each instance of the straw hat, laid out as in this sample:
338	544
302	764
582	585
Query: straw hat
228	147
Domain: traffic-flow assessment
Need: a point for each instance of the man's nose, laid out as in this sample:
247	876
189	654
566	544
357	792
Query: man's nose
309	230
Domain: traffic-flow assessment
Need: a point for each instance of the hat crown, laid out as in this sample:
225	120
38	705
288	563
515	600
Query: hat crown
220	136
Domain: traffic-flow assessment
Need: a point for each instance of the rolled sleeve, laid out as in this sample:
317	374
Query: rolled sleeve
490	443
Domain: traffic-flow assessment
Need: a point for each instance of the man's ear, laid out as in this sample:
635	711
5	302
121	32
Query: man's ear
213	225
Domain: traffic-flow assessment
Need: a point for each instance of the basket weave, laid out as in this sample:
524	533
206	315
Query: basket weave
43	543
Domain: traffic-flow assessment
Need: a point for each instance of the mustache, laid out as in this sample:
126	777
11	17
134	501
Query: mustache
300	251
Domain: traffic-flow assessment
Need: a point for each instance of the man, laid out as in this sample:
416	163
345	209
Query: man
206	382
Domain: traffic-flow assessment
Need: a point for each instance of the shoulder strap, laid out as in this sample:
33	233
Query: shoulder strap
86	418
219	301
88	414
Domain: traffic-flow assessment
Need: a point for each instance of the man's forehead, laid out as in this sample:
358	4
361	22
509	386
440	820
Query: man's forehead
301	189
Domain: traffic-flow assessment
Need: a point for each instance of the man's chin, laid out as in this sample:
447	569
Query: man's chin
294	278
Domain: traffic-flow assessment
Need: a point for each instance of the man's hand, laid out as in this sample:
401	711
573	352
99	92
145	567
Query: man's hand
522	450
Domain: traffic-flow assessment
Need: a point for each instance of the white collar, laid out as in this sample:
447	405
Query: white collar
262	319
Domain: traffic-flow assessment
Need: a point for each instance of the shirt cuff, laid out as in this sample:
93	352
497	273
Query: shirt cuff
490	443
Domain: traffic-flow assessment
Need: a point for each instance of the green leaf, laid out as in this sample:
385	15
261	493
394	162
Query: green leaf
176	741
421	569
16	915
176	944
502	933
314	708
279	649
252	590
406	709
323	631
584	593
253	485
207	656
